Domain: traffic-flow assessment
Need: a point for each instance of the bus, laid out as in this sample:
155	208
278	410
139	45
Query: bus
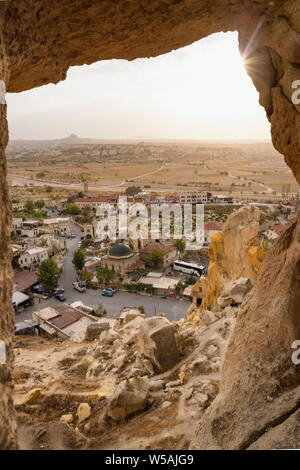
189	268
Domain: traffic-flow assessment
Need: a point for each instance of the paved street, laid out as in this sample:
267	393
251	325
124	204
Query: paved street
174	309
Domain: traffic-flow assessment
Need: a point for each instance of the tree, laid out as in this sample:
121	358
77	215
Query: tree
49	189
39	214
100	312
86	276
156	257
105	276
40	204
132	190
48	274
29	207
180	245
178	288
73	208
79	259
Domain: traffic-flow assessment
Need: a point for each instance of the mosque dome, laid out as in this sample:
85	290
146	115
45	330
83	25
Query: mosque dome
120	251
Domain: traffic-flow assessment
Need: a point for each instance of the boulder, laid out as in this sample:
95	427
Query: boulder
94	330
109	337
234	292
83	412
68	419
127	315
130	396
158	342
131	330
32	397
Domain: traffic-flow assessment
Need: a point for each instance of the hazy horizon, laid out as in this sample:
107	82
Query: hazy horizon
149	139
197	93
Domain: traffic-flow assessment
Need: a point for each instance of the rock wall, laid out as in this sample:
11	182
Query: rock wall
235	252
7	422
260	384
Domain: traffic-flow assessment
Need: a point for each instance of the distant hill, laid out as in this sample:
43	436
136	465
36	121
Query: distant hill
73	139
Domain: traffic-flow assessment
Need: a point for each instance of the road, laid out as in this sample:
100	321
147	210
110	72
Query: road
247	180
174	309
22	180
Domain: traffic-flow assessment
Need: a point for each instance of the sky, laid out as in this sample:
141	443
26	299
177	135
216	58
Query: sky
199	92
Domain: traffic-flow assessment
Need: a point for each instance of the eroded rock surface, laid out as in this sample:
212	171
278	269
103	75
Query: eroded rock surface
260	385
158	342
108	394
234	253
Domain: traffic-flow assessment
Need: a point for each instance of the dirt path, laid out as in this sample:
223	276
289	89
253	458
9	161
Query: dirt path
22	180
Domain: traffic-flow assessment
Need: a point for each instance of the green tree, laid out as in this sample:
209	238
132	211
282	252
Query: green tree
86	276
79	259
105	276
40	204
40	214
73	208
266	245
100	311
156	257
48	274
29	207
180	245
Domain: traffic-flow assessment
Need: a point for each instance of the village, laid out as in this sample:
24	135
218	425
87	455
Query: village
66	278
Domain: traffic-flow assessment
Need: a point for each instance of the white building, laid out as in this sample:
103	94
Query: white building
30	232
18	206
57	226
197	197
33	257
17	224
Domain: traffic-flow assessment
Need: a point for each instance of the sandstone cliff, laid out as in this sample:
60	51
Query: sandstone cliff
235	252
260	384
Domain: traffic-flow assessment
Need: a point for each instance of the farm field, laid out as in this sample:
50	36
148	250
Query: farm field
245	170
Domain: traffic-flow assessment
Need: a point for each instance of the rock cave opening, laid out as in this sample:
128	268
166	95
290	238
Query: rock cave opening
253	395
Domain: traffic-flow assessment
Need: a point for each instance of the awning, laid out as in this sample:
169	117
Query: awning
18	298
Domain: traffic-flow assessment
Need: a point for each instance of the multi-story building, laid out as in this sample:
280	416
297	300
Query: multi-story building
95	202
18	206
30	229
17	225
169	253
197	197
57	226
32	257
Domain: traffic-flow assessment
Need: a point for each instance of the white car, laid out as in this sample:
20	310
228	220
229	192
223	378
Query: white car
79	286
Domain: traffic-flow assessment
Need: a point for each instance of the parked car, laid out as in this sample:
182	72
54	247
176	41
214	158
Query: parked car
60	297
59	290
73	235
79	286
111	289
22	328
107	293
